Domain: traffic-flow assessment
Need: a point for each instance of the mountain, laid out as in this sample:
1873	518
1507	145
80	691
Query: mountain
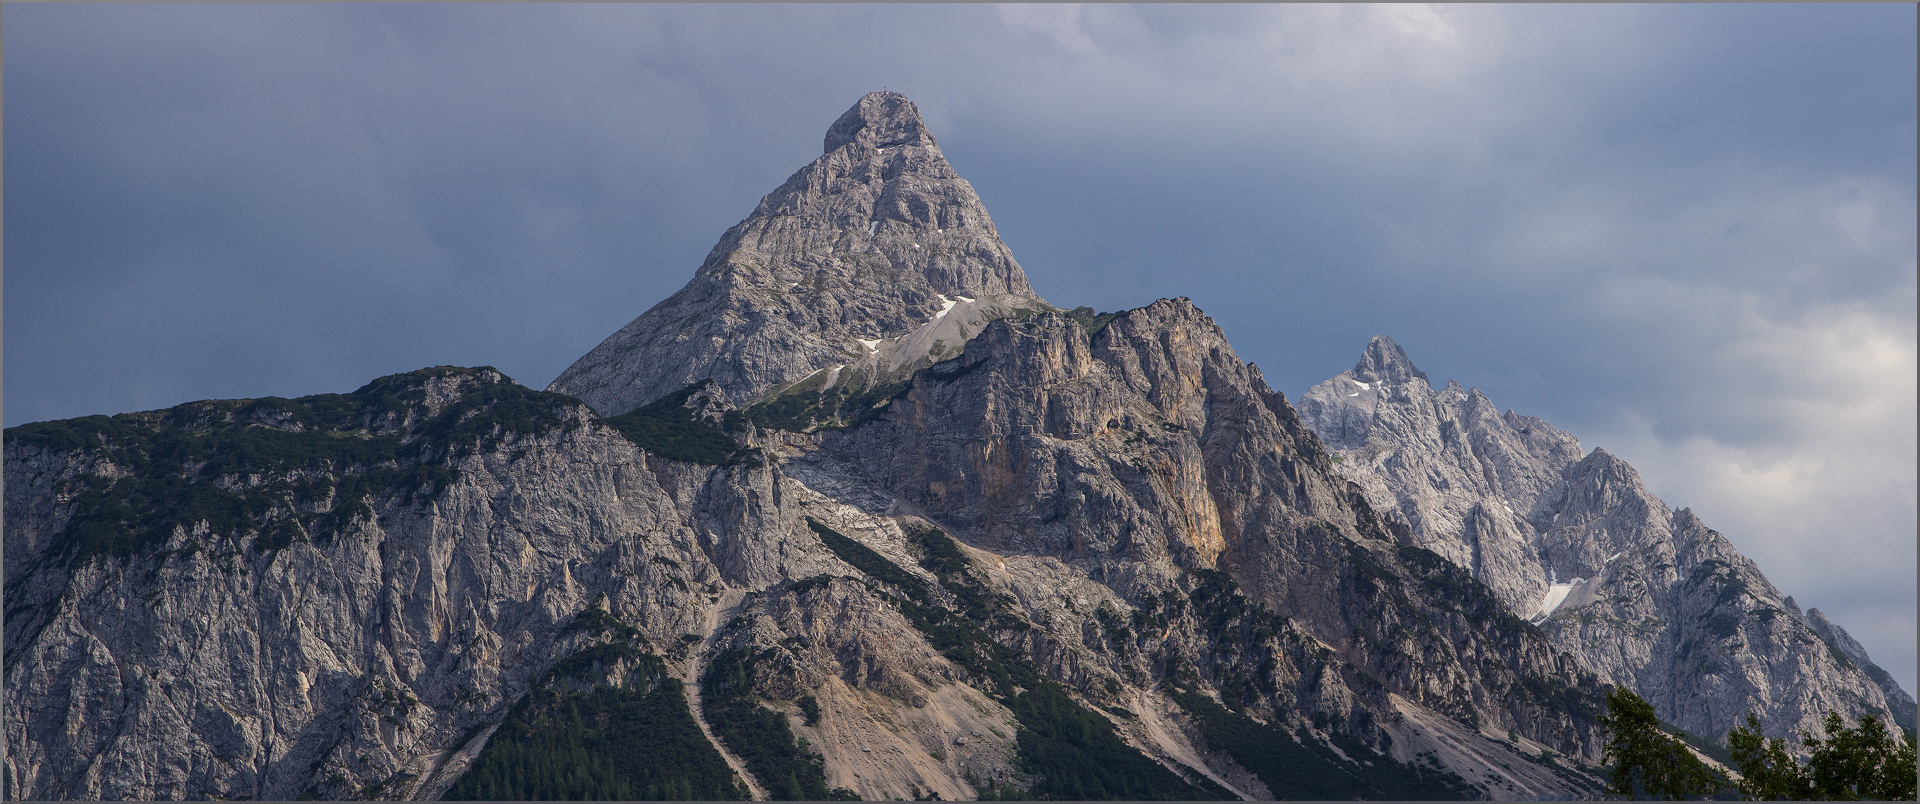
874	260
853	514
1646	596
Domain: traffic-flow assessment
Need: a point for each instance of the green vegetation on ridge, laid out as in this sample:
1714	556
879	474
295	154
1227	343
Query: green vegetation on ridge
268	472
1093	323
864	559
668	428
806	405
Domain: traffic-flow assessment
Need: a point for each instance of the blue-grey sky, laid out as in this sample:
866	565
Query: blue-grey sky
1683	233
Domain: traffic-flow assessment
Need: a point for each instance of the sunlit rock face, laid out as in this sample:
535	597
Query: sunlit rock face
1464	476
1646	596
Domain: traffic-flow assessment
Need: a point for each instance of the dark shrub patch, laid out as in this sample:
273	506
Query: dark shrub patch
1093	323
863	558
784	764
1305	768
668	428
639	742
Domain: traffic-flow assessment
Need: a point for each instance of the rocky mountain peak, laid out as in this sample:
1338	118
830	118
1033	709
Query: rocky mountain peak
857	252
879	120
1602	472
1384	360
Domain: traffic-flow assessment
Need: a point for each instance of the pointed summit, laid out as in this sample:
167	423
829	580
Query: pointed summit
869	244
1384	360
879	120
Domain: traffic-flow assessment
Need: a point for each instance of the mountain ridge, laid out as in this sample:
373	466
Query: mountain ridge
855	506
1574	541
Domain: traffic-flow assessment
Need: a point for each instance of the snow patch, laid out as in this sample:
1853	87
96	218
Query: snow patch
870	344
794	285
1615	555
1363	386
946	306
1356	393
964	299
1556	594
871	226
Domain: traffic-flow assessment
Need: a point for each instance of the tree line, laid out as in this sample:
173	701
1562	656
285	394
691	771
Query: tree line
1864	763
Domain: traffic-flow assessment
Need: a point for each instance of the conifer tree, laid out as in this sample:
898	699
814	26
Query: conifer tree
1646	761
1767	771
1865	762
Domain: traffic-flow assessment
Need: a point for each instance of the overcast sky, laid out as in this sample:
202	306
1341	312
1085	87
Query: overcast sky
1685	234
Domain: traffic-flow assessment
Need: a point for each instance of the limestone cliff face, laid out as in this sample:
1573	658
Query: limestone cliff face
1647	597
868	243
427	574
1148	450
1898	699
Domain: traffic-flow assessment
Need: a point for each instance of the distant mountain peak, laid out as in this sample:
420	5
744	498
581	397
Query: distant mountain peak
1384	360
879	120
1516	502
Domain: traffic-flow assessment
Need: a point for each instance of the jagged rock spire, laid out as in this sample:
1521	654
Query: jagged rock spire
870	241
879	120
1385	360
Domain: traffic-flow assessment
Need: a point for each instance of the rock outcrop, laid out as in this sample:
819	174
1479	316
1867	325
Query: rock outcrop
1899	700
1645	596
